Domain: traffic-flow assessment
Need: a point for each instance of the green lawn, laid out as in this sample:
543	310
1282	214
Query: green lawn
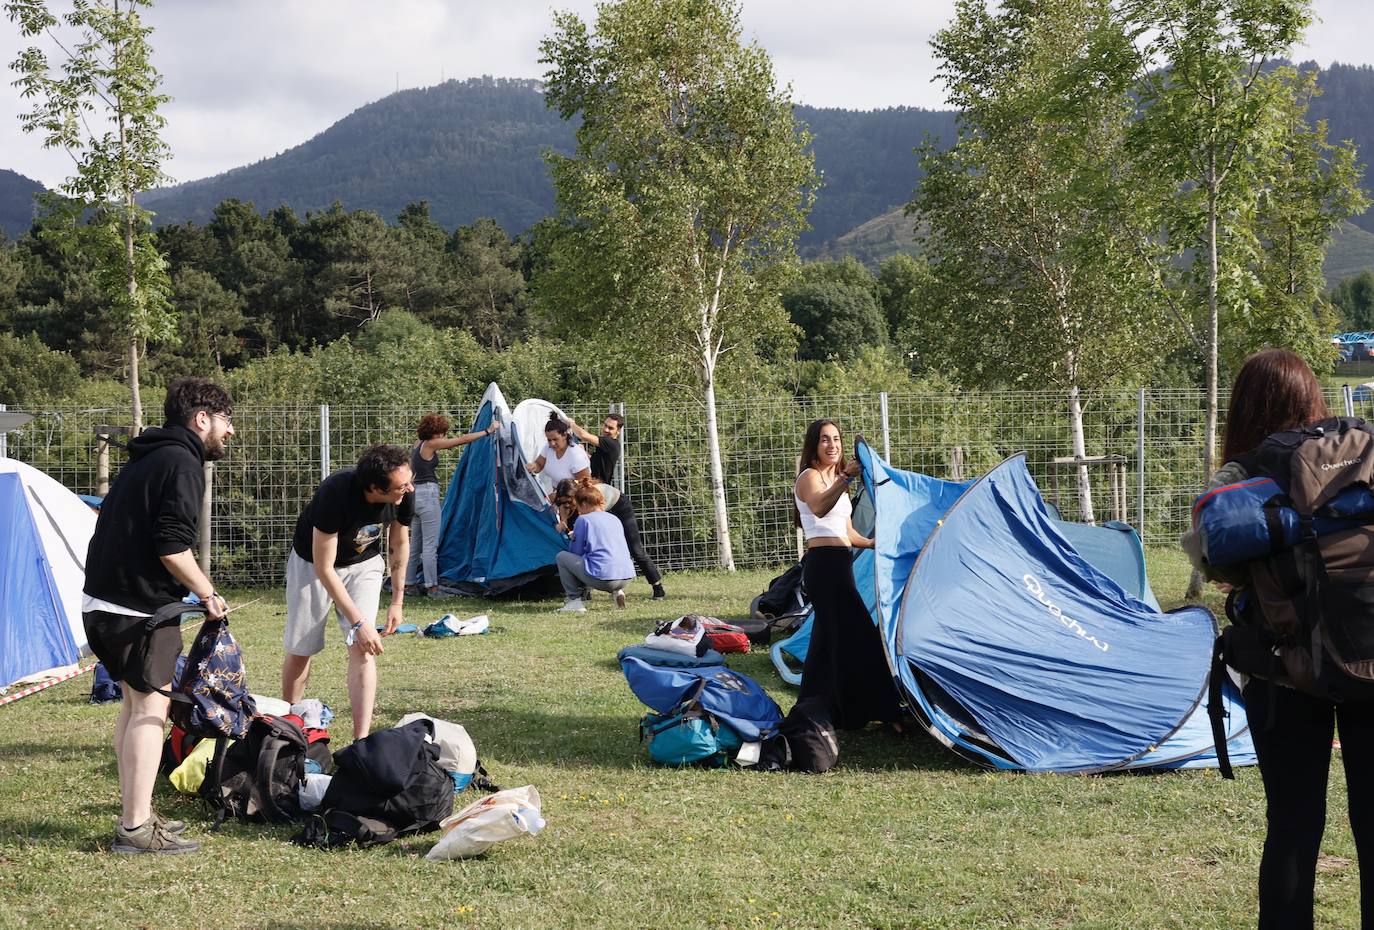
902	834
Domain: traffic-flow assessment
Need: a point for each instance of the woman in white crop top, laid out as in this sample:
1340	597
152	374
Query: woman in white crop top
845	677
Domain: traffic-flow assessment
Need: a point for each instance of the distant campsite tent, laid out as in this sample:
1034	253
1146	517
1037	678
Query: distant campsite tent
497	532
44	532
1023	642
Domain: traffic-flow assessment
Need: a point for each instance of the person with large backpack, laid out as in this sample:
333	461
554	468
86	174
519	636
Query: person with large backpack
1303	616
140	560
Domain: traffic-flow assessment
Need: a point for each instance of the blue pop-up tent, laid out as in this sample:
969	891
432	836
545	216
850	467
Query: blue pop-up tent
1015	650
1024	642
496	532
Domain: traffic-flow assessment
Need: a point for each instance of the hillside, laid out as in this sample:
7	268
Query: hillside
873	242
474	148
16	202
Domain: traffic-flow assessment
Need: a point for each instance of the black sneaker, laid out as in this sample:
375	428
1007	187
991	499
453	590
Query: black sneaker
659	593
150	838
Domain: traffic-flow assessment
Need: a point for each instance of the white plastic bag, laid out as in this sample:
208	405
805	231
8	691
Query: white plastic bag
311	792
482	824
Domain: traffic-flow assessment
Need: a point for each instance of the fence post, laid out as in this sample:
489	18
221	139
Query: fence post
206	505
1346	394
324	441
1140	463
619	407
887	439
4	437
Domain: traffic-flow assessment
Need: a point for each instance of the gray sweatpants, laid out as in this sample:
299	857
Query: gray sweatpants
572	571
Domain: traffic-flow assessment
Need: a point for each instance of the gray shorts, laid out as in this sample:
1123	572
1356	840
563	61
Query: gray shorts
308	603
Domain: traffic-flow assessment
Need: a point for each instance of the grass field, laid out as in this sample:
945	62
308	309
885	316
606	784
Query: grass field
901	834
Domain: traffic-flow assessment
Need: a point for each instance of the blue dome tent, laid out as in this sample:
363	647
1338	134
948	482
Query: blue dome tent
497	532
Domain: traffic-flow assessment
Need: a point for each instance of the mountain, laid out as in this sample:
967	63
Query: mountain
473	149
16	202
873	242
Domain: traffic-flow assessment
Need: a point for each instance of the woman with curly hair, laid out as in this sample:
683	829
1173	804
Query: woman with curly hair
424	530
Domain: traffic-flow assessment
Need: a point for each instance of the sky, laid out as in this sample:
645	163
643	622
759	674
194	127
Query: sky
252	78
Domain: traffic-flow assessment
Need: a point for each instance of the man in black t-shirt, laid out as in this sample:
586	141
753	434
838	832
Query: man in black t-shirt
605	455
336	561
605	448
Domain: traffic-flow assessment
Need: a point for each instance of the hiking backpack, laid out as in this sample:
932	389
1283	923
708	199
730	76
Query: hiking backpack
1306	618
259	777
689	735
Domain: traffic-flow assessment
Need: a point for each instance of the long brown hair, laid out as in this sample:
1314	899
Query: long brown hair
1274	390
811	446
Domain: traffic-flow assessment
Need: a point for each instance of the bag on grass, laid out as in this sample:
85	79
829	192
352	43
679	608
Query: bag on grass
670	659
811	742
189	775
457	753
685	635
384	786
725	637
689	735
104	689
504	815
261	774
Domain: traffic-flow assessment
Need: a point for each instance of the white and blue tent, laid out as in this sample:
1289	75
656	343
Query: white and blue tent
1022	642
45	530
497	532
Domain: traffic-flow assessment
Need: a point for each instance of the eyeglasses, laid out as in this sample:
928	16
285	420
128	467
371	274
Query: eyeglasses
228	420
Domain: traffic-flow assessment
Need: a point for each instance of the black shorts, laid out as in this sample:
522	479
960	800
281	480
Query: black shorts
118	641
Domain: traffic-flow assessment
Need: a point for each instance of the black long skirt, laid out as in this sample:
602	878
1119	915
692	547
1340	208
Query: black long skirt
845	674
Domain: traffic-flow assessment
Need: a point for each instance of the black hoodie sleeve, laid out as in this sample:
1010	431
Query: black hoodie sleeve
178	512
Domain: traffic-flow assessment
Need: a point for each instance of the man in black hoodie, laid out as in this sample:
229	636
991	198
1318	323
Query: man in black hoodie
140	560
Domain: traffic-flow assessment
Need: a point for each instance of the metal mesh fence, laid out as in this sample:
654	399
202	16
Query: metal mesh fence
280	453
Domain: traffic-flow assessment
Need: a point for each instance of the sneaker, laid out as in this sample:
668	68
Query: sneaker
435	593
573	605
150	838
659	593
171	826
620	599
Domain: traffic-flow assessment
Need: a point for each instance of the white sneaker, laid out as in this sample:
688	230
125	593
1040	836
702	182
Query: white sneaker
620	599
574	605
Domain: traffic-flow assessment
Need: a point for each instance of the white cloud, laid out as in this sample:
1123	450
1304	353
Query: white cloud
251	78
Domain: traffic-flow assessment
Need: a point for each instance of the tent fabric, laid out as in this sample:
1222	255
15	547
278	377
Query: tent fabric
45	530
1017	651
496	530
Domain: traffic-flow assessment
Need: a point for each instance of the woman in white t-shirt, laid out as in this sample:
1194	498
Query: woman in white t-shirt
561	458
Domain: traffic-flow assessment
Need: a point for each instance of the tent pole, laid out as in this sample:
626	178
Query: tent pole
1140	462
324	441
887	442
4	437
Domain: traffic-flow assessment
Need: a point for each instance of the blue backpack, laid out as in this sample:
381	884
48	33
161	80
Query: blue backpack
725	696
210	694
688	735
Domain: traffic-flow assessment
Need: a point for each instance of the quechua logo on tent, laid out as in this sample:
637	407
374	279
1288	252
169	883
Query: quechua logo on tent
1037	591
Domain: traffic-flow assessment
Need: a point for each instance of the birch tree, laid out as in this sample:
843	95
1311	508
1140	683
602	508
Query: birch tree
690	178
1022	222
100	103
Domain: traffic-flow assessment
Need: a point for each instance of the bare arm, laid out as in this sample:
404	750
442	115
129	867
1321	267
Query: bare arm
398	554
323	548
536	466
857	539
583	434
185	569
436	445
820	498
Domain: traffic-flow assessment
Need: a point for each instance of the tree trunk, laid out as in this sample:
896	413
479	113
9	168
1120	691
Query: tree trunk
135	397
723	548
1209	441
1080	451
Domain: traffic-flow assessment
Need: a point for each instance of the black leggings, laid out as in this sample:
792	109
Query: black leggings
1292	733
624	511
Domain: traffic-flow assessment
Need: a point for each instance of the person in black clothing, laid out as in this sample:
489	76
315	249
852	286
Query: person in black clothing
139	561
605	455
1275	390
336	561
